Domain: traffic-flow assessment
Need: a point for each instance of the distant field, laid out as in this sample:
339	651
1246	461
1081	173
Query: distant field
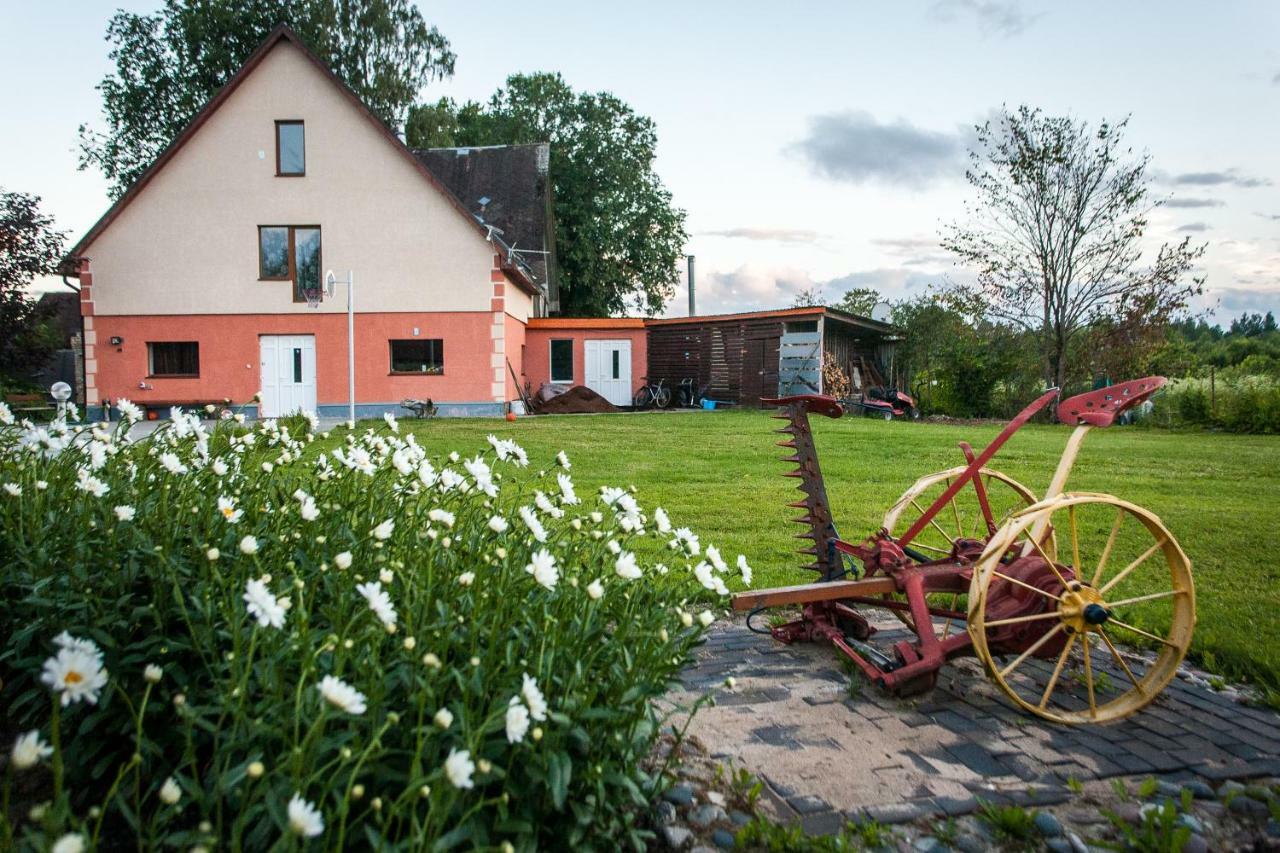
718	474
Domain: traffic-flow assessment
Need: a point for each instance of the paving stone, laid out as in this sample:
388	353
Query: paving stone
904	812
676	836
665	813
1049	826
723	839
822	823
1248	806
703	816
738	818
808	804
679	795
977	759
956	806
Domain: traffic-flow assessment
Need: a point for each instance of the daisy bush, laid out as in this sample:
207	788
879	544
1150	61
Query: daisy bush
223	636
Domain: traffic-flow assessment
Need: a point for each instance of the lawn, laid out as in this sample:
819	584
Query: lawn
718	474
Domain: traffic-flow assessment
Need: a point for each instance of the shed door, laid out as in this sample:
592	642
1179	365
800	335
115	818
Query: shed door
608	370
288	374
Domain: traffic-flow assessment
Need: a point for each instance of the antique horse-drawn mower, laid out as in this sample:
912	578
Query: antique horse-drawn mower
1044	588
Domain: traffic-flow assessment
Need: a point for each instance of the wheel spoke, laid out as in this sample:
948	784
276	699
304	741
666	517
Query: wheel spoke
1050	563
1125	571
1088	677
1016	620
1003	576
1115	654
1057	670
1140	632
1106	551
1050	634
933	521
955	510
929	548
1152	597
946	628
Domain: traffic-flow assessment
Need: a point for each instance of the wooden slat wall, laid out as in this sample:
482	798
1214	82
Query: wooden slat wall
737	358
850	350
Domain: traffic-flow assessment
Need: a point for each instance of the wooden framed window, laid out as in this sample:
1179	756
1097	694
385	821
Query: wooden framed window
290	253
173	358
291	149
562	360
418	356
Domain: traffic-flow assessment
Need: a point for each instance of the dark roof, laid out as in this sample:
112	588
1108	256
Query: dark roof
508	187
779	314
279	34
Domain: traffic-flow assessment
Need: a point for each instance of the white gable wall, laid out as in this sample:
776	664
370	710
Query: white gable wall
188	244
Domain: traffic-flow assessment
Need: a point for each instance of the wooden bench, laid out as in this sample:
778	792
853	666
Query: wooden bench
33	403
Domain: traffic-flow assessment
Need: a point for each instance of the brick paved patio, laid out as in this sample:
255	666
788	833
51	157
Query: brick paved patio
827	756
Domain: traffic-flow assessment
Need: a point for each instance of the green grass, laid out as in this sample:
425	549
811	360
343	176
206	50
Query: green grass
719	474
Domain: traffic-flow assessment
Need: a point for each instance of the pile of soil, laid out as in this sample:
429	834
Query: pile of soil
577	400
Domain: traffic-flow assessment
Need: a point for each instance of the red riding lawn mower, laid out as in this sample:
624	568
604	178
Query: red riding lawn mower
888	403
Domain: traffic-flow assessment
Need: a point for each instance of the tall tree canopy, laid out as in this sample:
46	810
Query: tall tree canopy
170	63
1055	232
619	239
29	247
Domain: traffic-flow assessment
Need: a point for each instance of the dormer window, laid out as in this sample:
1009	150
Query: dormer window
291	149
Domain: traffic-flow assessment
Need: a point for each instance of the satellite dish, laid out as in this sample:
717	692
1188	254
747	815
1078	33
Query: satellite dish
882	312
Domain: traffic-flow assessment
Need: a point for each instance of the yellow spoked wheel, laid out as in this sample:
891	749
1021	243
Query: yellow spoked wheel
962	518
1047	627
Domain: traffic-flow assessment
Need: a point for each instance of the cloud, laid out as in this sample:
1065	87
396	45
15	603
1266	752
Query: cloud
1275	81
1241	299
1225	177
1274	217
1193	227
1194	202
993	18
915	251
852	146
778	235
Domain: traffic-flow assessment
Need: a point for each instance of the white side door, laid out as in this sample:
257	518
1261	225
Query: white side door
288	374
608	370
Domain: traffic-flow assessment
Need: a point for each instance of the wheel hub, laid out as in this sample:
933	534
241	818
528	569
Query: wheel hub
1083	608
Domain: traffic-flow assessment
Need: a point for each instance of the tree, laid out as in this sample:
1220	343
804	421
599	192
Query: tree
29	247
170	63
619	239
859	300
808	298
1055	232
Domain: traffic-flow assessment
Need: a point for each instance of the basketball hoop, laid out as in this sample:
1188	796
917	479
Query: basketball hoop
313	295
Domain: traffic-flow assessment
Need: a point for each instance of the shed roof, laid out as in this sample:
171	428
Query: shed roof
813	311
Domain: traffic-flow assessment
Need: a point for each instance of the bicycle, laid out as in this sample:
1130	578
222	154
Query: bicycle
687	395
655	395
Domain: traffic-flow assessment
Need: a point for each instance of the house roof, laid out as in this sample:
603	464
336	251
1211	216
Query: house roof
814	311
509	188
280	33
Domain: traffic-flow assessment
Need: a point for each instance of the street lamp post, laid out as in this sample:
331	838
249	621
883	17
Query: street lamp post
331	282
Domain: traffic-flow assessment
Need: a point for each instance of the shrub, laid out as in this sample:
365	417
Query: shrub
345	649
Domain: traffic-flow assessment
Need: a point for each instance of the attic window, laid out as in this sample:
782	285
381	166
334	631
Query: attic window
291	149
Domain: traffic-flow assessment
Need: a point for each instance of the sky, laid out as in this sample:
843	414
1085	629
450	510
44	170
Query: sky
811	144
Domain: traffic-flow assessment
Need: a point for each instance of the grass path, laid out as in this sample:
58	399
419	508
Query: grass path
718	473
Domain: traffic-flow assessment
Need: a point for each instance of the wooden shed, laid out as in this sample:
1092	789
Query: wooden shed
741	358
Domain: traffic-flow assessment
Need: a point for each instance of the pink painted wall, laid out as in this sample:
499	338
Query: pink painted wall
538	352
514	336
229	355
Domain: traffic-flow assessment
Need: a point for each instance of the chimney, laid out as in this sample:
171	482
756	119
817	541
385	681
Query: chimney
693	311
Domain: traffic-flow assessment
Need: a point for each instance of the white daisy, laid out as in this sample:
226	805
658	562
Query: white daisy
383	531
262	605
72	842
304	819
227	506
663	522
467	578
28	749
442	516
343	560
498	524
535	526
562	460
717	562
341	695
626	567
152	673
595	590
533	698
610	495
13	489
219	467
443	718
170	793
379	602
6	416
517	721
567	494
391	421
128	411
172	464
308	510
76	673
744	569
458	768
249	545
706	618
542	566
125	513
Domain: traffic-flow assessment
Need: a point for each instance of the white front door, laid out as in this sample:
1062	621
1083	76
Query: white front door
608	368
288	374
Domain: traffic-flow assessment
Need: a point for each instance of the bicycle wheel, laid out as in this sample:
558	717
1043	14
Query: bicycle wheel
643	398
662	397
